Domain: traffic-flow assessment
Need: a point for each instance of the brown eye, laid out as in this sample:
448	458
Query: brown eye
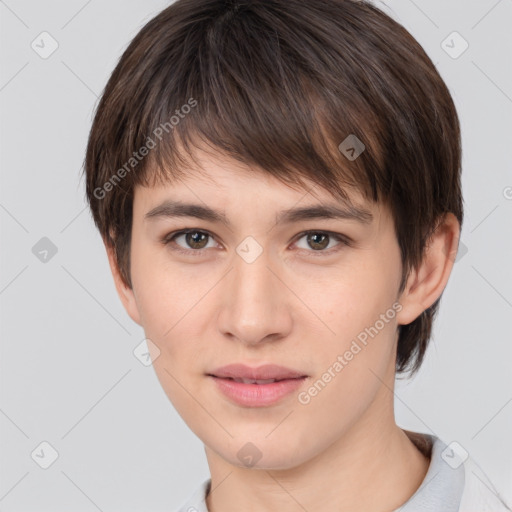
196	239
318	241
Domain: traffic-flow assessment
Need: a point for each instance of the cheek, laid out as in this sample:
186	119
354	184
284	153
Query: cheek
166	294
358	312
347	300
349	374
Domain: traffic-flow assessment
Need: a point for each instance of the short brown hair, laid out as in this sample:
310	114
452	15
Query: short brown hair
279	84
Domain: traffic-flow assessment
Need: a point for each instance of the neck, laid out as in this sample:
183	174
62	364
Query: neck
373	466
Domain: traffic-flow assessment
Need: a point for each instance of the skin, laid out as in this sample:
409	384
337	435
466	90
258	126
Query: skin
292	308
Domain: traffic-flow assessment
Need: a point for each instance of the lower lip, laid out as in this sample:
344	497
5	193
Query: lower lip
257	395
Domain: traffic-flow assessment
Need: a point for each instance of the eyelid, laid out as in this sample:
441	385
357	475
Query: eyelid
339	237
169	238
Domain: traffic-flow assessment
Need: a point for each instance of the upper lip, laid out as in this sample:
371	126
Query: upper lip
266	371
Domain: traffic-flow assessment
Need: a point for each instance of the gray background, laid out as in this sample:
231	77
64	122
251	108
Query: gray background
68	373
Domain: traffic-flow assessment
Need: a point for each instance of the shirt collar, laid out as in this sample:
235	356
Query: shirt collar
444	482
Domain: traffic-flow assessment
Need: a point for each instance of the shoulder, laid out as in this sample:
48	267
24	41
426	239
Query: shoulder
479	494
454	480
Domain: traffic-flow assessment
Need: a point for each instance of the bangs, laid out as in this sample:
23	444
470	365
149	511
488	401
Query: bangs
251	95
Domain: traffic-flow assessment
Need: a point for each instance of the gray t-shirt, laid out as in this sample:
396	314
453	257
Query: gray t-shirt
441	490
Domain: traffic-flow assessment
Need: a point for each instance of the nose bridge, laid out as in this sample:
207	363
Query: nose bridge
255	308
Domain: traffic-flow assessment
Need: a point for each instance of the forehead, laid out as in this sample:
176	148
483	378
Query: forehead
223	190
223	177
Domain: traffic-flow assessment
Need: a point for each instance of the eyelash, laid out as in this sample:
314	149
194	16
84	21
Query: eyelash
344	241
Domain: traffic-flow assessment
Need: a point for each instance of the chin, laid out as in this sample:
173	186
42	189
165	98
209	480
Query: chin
267	454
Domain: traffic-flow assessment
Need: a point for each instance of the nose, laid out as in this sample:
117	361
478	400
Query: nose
256	305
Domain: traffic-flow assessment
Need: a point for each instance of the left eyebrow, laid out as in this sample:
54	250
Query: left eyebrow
348	212
171	208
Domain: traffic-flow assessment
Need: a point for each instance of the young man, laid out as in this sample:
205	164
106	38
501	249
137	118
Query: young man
277	184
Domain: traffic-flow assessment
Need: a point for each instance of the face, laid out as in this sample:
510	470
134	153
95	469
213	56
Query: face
314	295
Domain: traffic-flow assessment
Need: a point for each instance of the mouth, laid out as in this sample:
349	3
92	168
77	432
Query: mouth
256	387
261	374
251	381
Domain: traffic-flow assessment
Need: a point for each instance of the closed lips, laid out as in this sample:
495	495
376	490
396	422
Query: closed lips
262	386
254	381
265	374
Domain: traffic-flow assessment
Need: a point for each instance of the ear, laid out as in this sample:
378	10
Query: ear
426	283
126	294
